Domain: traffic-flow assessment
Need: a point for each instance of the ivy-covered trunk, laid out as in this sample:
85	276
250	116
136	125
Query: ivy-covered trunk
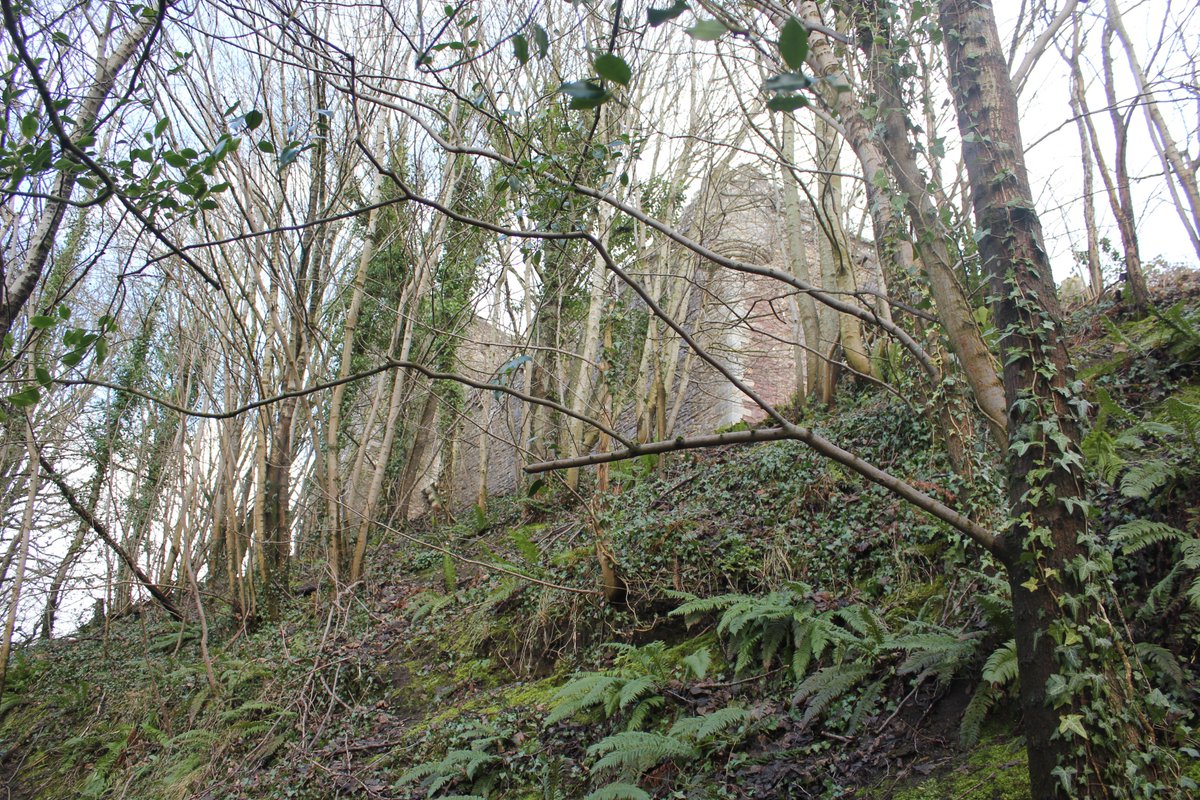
1082	722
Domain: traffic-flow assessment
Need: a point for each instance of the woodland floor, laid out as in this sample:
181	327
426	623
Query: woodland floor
438	678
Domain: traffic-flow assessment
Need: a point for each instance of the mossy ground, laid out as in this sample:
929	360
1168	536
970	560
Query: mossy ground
437	661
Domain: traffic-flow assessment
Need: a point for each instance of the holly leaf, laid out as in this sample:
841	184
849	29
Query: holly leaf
584	94
521	48
707	30
787	82
661	16
793	43
541	40
787	102
612	67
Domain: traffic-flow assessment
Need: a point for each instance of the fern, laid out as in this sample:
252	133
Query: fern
1142	533
1000	669
784	627
640	716
939	655
1142	480
828	684
706	727
999	680
587	691
1163	661
619	791
634	752
976	712
698	663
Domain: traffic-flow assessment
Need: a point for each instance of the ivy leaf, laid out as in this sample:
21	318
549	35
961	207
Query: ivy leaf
521	49
707	30
613	68
584	94
1073	723
661	16
793	43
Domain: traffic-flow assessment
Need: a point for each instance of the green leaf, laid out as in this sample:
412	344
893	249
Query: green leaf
162	126
253	119
584	94
73	358
41	323
1073	723
29	126
612	67
521	48
26	397
793	43
101	350
64	312
175	160
266	146
788	102
43	376
707	30
787	82
660	16
541	40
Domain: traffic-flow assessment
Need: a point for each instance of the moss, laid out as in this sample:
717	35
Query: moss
995	770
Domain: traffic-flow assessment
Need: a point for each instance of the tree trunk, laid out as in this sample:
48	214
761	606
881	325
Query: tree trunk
15	292
808	365
1057	603
1175	164
1138	295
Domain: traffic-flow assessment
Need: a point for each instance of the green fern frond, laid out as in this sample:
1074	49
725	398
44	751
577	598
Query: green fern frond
719	722
1189	553
828	684
638	751
698	607
698	663
865	705
976	713
938	655
635	690
194	739
1000	669
863	621
586	691
1163	661
1142	533
1142	480
619	791
640	715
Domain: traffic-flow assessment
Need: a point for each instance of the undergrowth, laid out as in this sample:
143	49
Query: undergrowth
788	628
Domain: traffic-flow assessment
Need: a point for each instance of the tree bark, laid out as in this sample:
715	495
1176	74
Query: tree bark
1047	537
